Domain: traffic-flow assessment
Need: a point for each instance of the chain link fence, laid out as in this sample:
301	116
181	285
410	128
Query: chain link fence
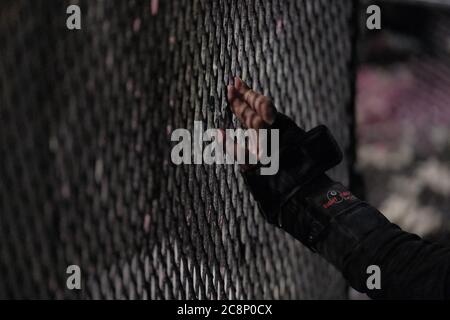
85	123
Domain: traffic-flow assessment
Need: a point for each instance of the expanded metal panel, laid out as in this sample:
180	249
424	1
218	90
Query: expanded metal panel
85	122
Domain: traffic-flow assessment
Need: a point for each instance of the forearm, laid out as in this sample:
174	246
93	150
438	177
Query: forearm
326	217
411	268
353	235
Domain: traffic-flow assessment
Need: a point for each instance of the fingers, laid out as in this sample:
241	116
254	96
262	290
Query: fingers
248	116
254	111
248	95
261	104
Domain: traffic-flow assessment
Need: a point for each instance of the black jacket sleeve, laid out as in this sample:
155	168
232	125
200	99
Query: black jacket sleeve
349	233
411	268
353	235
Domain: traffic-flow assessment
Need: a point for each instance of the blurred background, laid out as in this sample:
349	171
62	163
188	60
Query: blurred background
403	115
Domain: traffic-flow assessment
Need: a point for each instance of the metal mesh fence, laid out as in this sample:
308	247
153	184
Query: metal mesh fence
85	123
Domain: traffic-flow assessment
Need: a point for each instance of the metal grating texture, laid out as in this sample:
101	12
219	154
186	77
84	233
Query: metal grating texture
85	123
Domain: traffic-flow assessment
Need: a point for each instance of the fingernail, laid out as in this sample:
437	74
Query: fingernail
237	82
230	92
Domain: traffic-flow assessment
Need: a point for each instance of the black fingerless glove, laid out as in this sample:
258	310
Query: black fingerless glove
302	200
303	157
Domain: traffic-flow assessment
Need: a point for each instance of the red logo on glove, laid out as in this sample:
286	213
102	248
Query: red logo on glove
337	197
